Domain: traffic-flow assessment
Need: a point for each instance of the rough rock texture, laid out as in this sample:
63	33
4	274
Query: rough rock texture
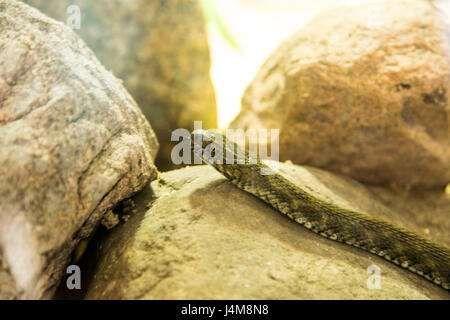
8	288
361	91
202	238
159	48
73	144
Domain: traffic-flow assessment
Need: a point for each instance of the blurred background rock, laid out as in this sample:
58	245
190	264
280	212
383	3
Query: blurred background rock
362	91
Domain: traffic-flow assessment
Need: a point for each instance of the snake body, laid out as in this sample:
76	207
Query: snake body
395	244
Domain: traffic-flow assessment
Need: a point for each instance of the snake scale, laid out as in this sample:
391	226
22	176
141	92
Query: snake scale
397	245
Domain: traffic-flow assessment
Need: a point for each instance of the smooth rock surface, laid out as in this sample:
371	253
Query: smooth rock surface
362	91
73	144
160	50
196	236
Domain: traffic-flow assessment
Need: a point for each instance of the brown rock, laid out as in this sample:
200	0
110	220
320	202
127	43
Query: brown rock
159	48
361	91
8	288
73	144
202	238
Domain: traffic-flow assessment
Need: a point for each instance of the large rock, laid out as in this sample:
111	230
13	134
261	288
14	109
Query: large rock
199	237
361	91
160	50
73	144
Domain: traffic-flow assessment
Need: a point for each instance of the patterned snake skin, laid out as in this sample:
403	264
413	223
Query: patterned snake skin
397	245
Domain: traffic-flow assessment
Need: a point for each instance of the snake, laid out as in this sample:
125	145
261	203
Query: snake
393	243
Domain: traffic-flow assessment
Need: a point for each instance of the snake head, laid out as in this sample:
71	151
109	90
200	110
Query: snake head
203	138
217	149
208	145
